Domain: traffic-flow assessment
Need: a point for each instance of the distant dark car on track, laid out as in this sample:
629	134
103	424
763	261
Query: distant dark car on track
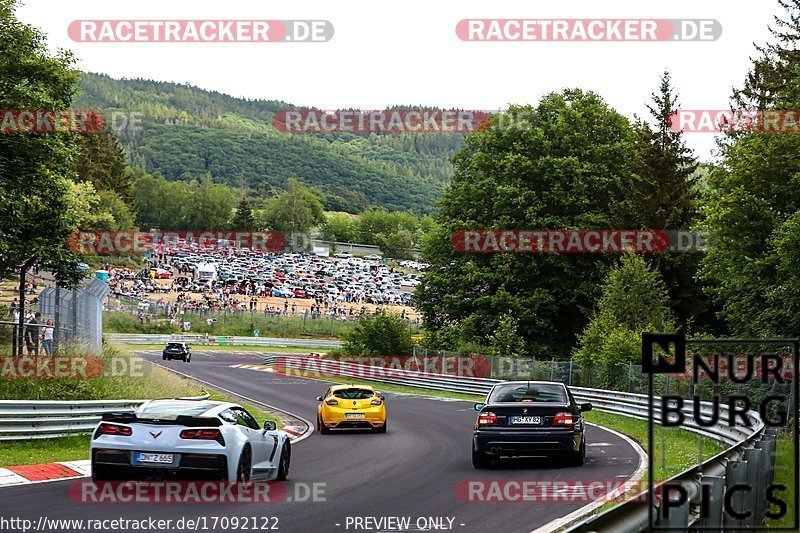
529	419
177	350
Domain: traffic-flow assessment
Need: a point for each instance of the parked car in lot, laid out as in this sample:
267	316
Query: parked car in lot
188	439
529	419
177	350
373	257
282	292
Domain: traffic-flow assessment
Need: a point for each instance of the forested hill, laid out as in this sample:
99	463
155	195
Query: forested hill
187	132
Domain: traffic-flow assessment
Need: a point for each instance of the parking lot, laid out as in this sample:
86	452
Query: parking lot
186	278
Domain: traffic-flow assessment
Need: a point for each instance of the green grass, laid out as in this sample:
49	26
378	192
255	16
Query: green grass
124	377
76	447
34	452
237	324
680	448
784	475
128	348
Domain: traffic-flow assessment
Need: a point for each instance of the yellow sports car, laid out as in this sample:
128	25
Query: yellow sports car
351	407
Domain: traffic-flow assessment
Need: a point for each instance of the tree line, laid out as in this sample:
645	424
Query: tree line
579	164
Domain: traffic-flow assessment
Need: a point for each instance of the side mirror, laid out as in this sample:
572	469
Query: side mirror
319	398
270	425
382	398
479	406
585	407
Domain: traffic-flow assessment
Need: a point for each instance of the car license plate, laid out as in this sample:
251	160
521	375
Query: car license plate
354	415
526	420
163	458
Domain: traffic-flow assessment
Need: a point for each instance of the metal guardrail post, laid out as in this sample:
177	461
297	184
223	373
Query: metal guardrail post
766	461
714	503
735	475
768	445
674	517
754	466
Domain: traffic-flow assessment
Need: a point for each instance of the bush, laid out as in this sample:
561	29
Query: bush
634	299
384	334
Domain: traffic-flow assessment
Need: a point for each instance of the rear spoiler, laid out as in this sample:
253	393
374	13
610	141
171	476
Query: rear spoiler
183	420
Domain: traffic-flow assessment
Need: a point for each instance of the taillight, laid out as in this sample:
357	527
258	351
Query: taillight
113	429
487	419
203	434
563	419
332	402
376	401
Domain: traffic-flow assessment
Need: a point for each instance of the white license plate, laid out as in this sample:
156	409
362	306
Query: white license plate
164	458
527	420
354	415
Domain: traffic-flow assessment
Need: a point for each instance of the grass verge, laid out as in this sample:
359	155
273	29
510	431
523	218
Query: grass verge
238	324
676	449
152	382
76	447
784	475
131	348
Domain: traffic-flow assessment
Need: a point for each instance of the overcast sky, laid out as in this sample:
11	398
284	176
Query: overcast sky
407	52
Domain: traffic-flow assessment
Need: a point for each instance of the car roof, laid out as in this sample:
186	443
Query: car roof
526	382
340	387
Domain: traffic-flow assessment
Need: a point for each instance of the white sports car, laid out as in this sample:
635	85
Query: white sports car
188	439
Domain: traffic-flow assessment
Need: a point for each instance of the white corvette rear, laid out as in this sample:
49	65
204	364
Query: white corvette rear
187	440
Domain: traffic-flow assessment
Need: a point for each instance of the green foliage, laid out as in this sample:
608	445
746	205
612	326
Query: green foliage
103	210
398	244
383	334
339	228
563	168
110	202
102	162
208	205
35	170
634	299
295	211
506	341
187	132
662	194
182	205
243	218
752	201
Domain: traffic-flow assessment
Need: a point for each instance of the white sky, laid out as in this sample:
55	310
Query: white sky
406	52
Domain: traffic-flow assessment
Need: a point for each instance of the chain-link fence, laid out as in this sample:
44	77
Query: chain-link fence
77	314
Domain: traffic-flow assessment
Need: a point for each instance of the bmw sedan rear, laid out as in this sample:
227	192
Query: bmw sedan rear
529	419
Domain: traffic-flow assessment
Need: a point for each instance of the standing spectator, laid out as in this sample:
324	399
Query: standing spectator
32	335
14	310
47	337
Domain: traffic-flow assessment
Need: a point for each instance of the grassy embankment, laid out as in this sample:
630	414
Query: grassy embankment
145	381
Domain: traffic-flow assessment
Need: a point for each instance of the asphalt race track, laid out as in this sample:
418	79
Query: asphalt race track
411	471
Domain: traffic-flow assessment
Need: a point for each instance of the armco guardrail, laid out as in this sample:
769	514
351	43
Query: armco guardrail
29	419
623	403
220	340
749	458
